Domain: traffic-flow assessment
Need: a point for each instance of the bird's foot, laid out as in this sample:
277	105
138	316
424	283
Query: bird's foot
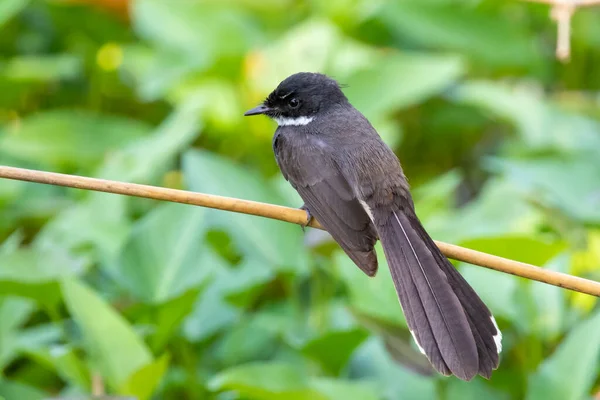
309	217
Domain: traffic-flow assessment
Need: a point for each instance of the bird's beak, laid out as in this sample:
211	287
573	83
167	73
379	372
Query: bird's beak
262	109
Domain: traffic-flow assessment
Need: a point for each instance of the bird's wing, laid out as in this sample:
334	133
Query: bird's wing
328	197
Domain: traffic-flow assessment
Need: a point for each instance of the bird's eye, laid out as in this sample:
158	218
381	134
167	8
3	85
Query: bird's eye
294	102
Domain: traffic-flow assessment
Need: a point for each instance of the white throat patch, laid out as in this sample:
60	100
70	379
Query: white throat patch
300	121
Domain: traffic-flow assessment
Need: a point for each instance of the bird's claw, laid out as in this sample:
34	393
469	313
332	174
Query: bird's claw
309	218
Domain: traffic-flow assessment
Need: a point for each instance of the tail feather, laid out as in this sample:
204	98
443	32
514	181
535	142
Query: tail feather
433	311
416	319
486	332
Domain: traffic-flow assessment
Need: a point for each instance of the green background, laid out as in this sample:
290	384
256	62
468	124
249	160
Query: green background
500	141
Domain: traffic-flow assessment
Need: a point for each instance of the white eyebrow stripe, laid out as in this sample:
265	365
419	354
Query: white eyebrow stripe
282	97
300	121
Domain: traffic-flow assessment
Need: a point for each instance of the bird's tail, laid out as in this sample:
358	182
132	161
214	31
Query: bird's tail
449	322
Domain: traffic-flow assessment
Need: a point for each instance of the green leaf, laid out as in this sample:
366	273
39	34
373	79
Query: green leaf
247	282
42	68
116	349
10	8
550	181
490	206
399	81
192	27
100	221
147	159
236	286
525	249
164	255
261	381
334	348
576	358
335	54
248	340
168	317
65	360
499	292
211	312
432	198
209	173
33	273
474	390
375	297
40	336
373	362
157	70
14	390
144	382
550	303
486	37
539	123
334	389
14	312
61	139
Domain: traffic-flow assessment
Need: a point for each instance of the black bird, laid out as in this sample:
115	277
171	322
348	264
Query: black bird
353	184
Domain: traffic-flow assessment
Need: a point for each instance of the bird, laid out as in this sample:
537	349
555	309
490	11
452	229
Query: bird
354	185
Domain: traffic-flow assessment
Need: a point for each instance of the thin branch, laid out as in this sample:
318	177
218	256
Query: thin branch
576	3
97	385
562	11
294	216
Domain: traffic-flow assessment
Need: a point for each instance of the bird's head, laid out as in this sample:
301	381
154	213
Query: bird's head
299	98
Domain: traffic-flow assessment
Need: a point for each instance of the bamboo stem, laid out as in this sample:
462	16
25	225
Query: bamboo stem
291	215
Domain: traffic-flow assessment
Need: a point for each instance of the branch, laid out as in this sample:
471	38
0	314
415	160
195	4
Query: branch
562	11
575	3
294	216
98	389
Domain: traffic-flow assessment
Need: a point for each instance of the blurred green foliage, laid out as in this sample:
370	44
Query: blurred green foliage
163	301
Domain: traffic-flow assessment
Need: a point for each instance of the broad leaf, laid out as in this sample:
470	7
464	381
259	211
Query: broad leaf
168	317
498	291
334	348
65	361
400	81
375	297
212	312
577	358
474	390
9	8
334	389
111	341
32	273
101	221
485	36
143	382
250	339
525	249
42	68
539	123
336	54
14	312
550	181
60	139
14	390
165	256
190	27
373	362
277	243
263	381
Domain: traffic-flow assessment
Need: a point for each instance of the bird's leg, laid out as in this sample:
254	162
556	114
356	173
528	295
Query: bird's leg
309	217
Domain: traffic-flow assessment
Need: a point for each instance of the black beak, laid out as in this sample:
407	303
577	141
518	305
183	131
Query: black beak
257	110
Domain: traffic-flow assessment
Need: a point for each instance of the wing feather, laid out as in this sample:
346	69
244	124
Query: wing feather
329	198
